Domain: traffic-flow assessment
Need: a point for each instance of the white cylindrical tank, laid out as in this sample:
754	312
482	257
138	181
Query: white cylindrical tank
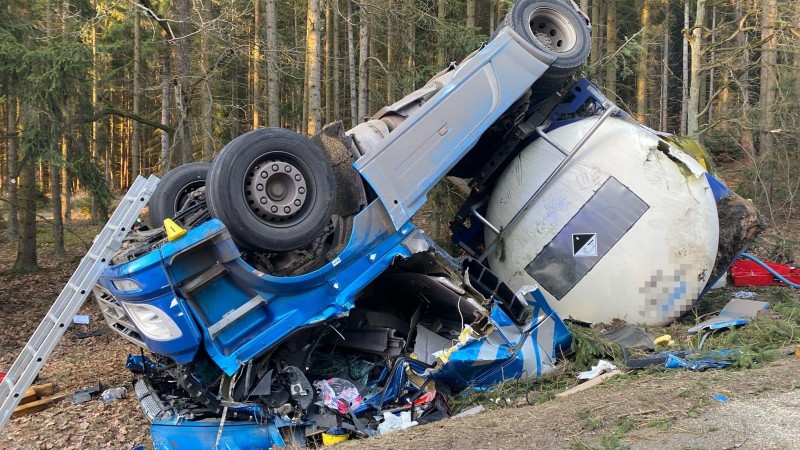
628	229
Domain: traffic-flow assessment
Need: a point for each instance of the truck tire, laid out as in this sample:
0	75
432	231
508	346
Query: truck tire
273	189
557	28
173	190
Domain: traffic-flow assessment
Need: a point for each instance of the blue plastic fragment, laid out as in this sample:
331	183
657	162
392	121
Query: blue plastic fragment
708	362
720	398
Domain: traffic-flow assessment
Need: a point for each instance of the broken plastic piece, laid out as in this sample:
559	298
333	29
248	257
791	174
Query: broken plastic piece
392	422
81	319
709	362
602	367
113	394
737	312
665	340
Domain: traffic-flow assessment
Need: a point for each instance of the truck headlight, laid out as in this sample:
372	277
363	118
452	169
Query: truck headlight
126	285
153	322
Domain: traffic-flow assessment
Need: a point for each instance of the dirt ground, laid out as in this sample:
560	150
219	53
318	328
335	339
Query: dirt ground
656	409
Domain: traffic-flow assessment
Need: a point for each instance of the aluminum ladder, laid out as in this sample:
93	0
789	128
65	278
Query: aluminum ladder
35	353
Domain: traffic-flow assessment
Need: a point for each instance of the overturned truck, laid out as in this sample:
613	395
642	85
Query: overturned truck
290	293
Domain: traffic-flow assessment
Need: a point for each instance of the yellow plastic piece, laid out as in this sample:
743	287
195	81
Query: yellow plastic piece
664	340
330	439
174	231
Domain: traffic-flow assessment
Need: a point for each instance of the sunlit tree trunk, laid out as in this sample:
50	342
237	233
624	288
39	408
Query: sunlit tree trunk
336	63
273	93
351	62
255	73
471	13
611	47
313	61
685	70
597	41
328	82
137	96
363	60
768	76
206	96
642	66
165	112
183	135
696	72
665	68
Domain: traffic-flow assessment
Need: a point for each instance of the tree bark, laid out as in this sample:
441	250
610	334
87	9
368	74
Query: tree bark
685	71
183	136
273	92
351	62
165	112
336	64
26	248
390	63
768	82
13	162
55	197
696	73
255	73
313	60
440	54
642	66
471	13
363	60
137	96
207	97
746	140
665	67
328	82
611	48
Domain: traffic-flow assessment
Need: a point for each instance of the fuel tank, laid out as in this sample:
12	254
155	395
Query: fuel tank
628	229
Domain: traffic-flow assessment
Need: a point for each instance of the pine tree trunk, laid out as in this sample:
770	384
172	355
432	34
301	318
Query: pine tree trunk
137	96
611	48
665	68
642	66
165	112
183	135
685	72
207	97
255	65
328	83
351	62
746	140
768	77
363	60
696	73
26	247
314	50
440	54
55	197
336	64
390	66
273	92
597	36
470	13
13	162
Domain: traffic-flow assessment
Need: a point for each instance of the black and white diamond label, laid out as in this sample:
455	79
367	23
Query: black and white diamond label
584	244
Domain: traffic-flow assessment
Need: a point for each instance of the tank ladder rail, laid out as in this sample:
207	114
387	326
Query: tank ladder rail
610	108
35	353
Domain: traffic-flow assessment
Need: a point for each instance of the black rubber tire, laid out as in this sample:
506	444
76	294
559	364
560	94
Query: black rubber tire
291	169
557	28
170	195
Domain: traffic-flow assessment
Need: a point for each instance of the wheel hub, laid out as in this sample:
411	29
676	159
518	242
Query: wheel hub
552	30
276	190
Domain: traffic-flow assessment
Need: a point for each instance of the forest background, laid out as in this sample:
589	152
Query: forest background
94	92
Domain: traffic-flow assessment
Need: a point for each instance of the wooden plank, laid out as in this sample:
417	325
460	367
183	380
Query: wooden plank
39	405
591	383
28	397
43	390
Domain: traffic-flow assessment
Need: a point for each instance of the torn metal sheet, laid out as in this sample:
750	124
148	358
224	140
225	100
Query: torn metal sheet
736	313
